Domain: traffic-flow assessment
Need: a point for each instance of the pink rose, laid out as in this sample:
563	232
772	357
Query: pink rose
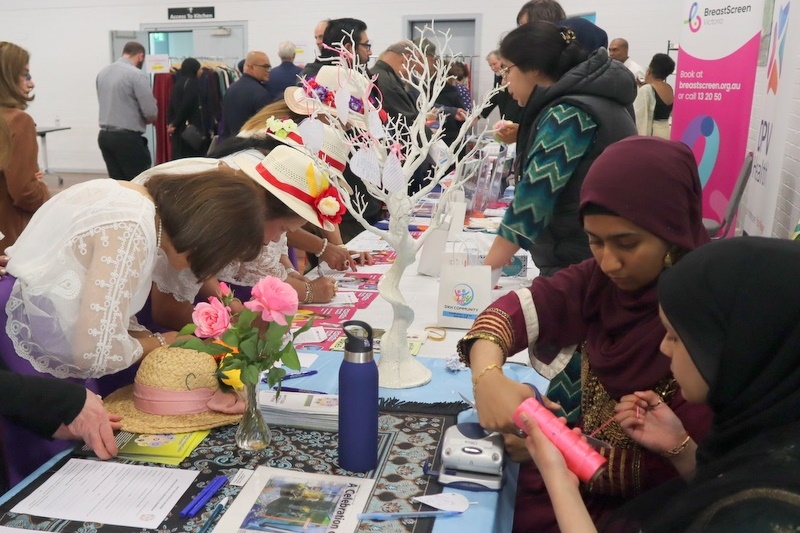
211	319
224	290
274	299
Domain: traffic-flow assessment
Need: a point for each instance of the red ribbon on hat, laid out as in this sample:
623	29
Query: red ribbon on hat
303	196
330	160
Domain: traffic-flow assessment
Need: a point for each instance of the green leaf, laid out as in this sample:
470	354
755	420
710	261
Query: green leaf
250	375
246	318
230	337
217	349
275	375
248	348
305	327
232	363
194	344
188	329
290	359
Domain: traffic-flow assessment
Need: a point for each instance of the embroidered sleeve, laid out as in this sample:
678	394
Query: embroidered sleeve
564	136
77	327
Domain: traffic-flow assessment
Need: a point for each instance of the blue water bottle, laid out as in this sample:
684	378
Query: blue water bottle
358	400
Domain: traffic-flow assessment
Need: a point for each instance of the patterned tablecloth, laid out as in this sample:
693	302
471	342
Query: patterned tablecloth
406	442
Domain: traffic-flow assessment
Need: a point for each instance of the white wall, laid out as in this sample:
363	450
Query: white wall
69	43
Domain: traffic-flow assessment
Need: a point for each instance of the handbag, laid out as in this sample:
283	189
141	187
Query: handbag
192	136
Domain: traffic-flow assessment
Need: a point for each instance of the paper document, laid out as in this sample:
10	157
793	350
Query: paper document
109	493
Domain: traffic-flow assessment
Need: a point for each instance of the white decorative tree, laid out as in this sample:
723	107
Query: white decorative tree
385	157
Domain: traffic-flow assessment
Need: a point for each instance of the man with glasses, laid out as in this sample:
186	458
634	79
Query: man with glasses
247	95
349	33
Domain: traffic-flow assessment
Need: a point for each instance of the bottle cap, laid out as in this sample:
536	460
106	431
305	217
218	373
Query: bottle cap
358	342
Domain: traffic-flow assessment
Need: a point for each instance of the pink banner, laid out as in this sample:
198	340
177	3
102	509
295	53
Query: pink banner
714	95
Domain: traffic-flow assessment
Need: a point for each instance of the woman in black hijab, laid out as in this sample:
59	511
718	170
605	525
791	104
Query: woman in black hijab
184	110
732	314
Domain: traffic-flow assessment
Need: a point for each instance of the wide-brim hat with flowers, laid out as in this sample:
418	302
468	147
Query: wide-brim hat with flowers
329	81
333	150
294	179
175	391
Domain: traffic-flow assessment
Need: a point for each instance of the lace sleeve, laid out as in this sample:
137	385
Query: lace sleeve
268	263
182	284
76	324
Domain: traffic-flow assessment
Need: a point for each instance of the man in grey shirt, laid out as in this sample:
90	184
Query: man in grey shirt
127	105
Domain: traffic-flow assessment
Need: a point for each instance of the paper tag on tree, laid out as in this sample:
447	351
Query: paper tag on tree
343	105
374	124
393	178
312	130
364	164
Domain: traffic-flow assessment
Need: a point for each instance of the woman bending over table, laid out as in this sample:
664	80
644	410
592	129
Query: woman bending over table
84	265
640	205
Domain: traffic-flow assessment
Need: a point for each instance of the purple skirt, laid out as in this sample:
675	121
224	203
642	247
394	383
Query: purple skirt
25	451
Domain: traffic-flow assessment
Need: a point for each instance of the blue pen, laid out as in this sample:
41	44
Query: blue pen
306	391
203	499
300	374
188	508
407	514
214	514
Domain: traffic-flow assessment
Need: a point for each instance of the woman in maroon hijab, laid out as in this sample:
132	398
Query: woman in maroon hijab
640	205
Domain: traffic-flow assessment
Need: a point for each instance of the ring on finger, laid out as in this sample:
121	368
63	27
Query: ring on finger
521	434
659	402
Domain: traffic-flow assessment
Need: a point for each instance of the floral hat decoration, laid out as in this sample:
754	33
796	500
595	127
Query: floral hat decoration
293	177
316	137
344	92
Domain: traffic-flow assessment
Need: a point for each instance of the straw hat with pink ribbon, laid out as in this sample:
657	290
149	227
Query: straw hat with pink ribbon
294	178
175	391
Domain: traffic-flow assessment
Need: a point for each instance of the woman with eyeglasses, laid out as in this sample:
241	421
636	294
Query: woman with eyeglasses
574	105
22	190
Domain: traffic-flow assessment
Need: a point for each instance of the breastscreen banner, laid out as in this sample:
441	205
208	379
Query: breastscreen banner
758	209
717	61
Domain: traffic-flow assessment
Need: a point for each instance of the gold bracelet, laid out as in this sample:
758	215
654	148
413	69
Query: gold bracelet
309	293
485	370
678	449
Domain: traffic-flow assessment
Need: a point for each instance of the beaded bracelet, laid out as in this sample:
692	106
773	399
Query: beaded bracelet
309	293
160	338
324	246
678	449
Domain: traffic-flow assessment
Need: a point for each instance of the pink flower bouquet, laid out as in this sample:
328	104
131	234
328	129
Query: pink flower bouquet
256	338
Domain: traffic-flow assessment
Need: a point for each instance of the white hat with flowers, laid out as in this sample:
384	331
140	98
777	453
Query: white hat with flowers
316	137
293	178
342	91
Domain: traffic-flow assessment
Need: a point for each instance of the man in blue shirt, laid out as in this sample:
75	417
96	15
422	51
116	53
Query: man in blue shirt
247	95
285	74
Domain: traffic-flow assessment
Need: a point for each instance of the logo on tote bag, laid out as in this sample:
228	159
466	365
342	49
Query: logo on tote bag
463	294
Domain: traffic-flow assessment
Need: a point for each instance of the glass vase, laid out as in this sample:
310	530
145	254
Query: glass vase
253	433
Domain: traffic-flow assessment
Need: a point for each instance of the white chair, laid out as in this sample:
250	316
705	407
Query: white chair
720	229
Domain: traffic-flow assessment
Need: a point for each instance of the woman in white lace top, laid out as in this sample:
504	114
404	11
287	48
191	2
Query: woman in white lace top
83	267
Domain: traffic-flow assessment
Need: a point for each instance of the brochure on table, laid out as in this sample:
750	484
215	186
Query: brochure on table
277	499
